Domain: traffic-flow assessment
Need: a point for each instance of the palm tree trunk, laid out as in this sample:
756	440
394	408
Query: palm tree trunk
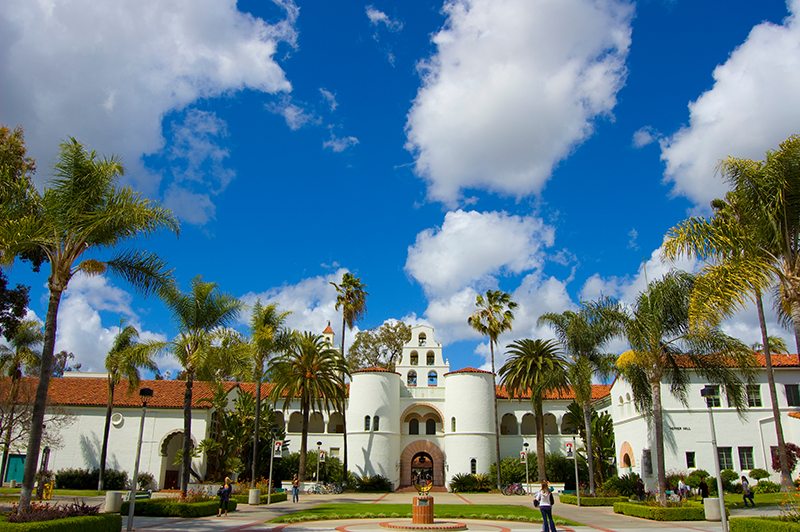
786	473
255	435
187	432
344	416
658	425
796	321
496	426
587	423
106	430
540	452
37	418
301	466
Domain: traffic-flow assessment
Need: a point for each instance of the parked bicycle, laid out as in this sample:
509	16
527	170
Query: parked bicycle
324	488
513	489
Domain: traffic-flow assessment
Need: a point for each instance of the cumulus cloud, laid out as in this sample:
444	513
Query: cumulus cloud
377	17
471	248
644	136
338	144
108	73
80	326
295	115
750	109
512	89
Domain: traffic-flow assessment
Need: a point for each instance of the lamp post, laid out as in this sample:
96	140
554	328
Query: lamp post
527	476
709	392
577	482
274	432
145	394
319	448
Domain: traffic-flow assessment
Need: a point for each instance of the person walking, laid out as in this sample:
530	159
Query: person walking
544	501
703	487
295	489
638	489
224	497
683	490
747	493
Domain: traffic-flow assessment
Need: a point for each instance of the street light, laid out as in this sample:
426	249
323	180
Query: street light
708	392
577	480
145	394
527	477
274	432
319	448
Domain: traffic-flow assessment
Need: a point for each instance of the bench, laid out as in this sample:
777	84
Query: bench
140	495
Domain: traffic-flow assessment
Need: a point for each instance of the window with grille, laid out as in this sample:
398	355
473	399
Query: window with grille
366	423
793	394
376	423
753	395
746	458
725	457
473	466
690	459
714	401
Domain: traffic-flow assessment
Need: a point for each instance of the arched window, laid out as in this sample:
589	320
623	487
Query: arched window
376	426
508	424
413	426
412	378
414	358
430	358
430	427
432	378
528	425
422	339
473	466
366	424
453	424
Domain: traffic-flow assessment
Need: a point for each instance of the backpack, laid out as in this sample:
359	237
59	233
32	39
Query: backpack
552	500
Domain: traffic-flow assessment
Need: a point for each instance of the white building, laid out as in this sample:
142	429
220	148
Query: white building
422	417
743	443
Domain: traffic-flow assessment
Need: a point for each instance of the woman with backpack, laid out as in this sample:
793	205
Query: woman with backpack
224	497
747	493
544	501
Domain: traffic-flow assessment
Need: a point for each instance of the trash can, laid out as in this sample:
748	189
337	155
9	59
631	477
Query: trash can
254	497
113	502
711	508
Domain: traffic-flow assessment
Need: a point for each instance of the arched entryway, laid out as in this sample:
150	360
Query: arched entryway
421	468
423	457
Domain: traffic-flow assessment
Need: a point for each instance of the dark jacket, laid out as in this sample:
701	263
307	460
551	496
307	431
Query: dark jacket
225	493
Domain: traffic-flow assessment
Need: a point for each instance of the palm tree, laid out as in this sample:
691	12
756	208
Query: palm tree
268	337
493	317
534	367
665	349
352	299
202	316
122	361
82	210
311	372
583	334
736	244
22	353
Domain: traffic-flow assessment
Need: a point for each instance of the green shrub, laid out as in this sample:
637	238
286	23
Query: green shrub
175	508
622	486
92	523
762	524
765	486
376	484
144	480
758	474
512	470
658	513
694	477
280	496
83	479
484	482
591	501
673	477
463	483
729	476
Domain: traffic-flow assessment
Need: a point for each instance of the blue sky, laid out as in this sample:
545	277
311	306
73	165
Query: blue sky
433	149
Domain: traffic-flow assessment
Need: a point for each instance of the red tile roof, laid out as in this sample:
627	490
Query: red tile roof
374	369
328	330
468	370
598	391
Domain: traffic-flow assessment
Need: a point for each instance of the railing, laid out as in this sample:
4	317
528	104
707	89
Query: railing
423	392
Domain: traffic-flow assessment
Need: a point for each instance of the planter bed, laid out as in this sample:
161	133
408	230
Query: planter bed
171	508
88	523
590	501
762	524
656	513
276	497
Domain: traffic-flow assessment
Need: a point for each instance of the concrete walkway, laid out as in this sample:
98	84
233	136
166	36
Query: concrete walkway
254	518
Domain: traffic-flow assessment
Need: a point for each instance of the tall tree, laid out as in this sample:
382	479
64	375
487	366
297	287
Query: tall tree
737	244
492	318
535	367
268	336
21	352
310	372
352	299
122	361
664	348
583	334
379	347
82	210
202	316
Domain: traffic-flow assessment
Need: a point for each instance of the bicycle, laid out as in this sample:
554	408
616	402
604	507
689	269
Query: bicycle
513	489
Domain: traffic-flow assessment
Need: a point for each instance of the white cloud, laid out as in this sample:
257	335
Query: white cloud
311	302
512	89
633	234
80	328
339	144
108	73
751	108
295	116
472	247
377	18
644	136
329	97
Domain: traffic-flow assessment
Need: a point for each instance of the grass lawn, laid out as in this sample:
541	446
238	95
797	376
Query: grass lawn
441	511
70	493
734	500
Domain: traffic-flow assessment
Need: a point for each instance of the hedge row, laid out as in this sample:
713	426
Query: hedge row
276	497
88	523
591	501
762	524
657	513
171	508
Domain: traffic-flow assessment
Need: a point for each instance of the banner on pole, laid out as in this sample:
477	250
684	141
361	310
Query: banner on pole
570	451
523	457
322	456
278	449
